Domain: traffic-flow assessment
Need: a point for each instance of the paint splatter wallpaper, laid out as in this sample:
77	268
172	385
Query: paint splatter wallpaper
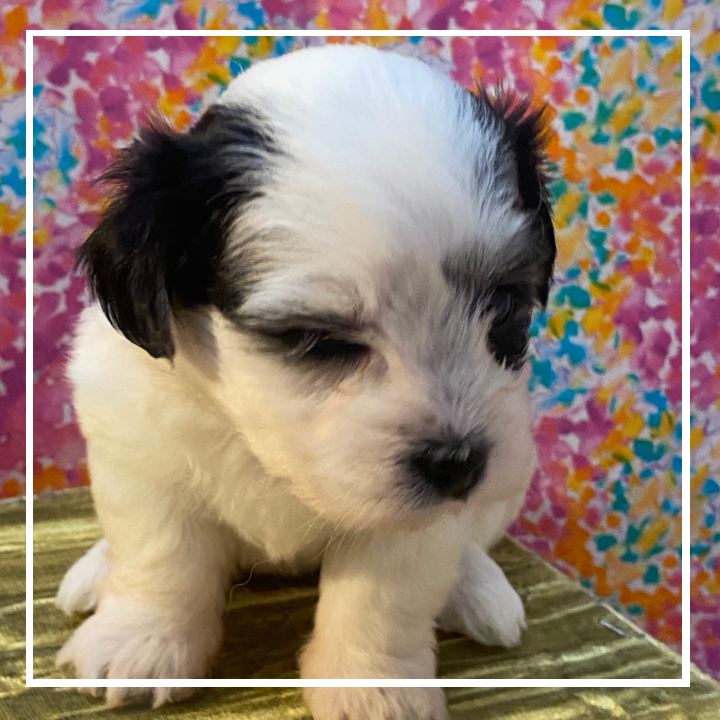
606	366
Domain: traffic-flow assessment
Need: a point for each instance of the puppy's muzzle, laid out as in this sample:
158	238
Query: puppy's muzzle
451	467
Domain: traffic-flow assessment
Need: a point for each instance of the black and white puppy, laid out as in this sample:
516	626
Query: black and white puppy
313	314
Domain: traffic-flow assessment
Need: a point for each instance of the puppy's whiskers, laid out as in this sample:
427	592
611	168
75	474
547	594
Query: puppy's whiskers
310	525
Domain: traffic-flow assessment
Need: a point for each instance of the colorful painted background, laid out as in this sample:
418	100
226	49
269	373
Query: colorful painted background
606	370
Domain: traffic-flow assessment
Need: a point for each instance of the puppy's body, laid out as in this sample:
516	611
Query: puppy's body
323	294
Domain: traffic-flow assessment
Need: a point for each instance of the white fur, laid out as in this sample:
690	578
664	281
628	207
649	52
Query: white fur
80	589
222	457
483	605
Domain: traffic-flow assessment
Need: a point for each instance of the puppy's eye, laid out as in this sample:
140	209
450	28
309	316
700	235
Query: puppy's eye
321	346
502	304
510	309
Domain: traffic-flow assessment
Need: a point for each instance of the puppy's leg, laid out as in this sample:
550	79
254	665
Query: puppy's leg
379	596
160	605
483	605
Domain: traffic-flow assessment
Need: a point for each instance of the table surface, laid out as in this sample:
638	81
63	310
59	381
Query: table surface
268	620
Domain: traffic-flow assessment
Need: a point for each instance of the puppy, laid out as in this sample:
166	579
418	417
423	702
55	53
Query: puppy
312	317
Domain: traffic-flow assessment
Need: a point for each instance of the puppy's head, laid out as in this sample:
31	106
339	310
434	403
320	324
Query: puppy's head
364	243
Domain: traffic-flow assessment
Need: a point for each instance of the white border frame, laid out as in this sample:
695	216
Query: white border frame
685	340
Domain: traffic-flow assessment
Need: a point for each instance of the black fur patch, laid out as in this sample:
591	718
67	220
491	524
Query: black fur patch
174	198
506	294
508	339
526	132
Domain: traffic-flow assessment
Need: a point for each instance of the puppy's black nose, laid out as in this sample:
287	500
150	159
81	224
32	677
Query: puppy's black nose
452	467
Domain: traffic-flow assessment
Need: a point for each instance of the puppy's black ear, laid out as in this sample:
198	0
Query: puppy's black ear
526	131
174	197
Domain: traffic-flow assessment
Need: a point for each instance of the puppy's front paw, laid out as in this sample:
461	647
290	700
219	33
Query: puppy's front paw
367	703
123	640
483	605
322	658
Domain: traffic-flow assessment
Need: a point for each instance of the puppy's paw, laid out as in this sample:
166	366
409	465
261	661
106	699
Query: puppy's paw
367	703
129	641
483	605
80	589
322	657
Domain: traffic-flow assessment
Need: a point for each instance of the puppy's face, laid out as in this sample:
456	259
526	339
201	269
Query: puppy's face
350	248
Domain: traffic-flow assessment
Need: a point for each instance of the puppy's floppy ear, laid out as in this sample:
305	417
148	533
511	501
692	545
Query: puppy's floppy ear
175	196
526	132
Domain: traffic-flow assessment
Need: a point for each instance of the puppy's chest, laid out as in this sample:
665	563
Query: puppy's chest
260	508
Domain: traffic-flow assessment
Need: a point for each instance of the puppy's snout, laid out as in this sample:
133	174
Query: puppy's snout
451	467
